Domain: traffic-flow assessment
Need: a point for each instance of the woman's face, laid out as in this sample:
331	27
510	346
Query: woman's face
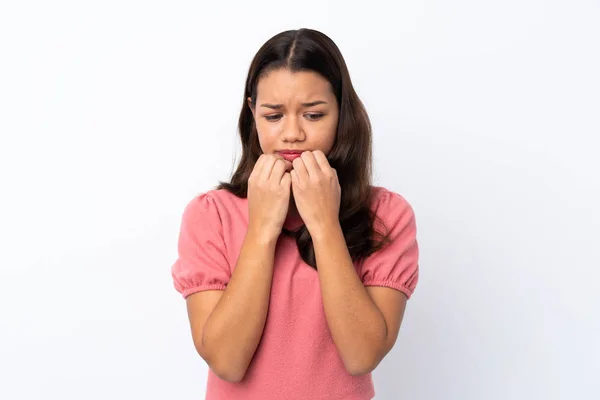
295	111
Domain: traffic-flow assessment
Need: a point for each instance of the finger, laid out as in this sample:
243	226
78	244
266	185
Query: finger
267	166
294	177
311	164
300	169
321	160
288	165
257	167
277	171
286	180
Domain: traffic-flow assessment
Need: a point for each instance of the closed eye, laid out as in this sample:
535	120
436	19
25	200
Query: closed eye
314	117
310	117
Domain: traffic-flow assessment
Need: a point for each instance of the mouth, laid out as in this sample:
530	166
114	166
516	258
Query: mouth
290	155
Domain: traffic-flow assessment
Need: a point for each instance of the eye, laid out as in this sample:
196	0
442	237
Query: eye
314	117
273	117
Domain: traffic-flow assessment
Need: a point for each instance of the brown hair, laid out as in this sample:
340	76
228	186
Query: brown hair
311	50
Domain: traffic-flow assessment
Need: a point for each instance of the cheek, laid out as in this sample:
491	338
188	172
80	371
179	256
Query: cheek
322	136
330	136
266	136
327	146
329	129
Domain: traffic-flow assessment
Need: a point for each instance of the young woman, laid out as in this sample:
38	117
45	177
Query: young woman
296	273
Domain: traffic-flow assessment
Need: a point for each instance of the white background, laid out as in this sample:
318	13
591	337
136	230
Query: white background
114	114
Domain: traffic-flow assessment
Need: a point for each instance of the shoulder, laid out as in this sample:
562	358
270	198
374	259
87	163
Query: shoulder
392	212
214	202
385	201
219	198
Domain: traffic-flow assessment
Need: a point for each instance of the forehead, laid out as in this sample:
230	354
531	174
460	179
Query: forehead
286	85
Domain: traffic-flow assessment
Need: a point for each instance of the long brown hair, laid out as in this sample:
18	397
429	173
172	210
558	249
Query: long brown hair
311	50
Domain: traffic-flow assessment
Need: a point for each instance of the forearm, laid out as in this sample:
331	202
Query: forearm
234	328
357	326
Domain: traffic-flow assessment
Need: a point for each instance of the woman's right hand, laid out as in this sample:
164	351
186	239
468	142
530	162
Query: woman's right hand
269	191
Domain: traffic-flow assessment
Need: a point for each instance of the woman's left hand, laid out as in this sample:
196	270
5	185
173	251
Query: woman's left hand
316	191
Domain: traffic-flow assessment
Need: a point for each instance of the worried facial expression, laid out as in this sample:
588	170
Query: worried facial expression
295	111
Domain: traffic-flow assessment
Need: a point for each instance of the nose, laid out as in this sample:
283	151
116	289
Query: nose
292	131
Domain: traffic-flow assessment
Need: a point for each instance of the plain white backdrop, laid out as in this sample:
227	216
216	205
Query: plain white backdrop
486	117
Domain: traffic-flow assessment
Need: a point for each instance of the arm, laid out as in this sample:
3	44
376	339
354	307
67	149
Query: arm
364	322
227	325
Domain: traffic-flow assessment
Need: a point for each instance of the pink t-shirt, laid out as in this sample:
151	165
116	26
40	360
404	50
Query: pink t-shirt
296	358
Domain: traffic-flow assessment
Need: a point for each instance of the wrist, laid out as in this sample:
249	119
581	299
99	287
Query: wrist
325	229
262	236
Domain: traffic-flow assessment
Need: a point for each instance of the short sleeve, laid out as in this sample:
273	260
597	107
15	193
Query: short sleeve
396	265
202	259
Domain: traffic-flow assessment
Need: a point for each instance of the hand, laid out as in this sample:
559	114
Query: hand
317	191
268	196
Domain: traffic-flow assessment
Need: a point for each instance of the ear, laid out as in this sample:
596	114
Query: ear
250	105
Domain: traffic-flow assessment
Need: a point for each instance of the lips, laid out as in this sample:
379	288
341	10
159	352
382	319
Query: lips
290	155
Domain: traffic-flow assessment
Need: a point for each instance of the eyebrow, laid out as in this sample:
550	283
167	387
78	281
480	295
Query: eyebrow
278	106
